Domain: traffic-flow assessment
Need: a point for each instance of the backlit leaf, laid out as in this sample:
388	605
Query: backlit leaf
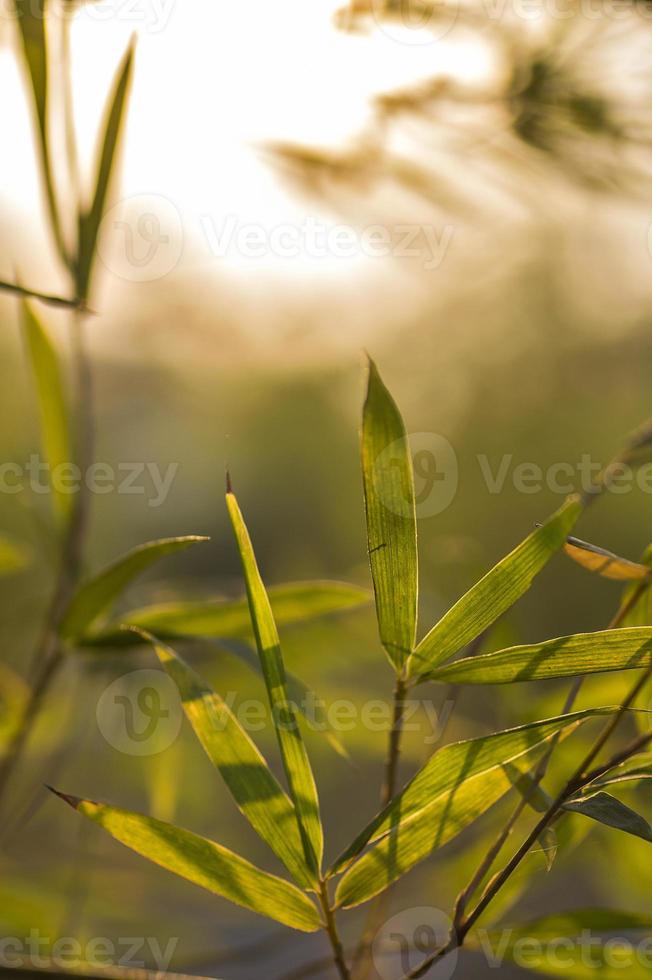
604	562
391	519
566	656
204	863
95	596
296	764
495	593
611	812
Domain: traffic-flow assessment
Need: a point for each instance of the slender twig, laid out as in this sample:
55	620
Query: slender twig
333	934
582	777
48	298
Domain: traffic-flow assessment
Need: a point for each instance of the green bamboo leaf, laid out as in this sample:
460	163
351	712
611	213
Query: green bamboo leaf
31	16
95	596
91	218
391	519
566	656
606	809
301	695
495	593
603	562
457	785
296	764
204	863
244	770
295	602
535	945
53	410
632	771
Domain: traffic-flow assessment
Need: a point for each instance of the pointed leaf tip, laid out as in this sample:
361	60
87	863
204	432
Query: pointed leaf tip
229	485
72	801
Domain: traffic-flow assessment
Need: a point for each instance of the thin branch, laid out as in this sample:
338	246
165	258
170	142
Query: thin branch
48	298
333	935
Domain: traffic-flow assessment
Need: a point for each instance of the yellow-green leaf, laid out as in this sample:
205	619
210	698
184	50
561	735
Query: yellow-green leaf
91	218
53	410
607	810
295	602
95	596
391	519
565	656
604	562
244	770
204	863
495	593
13	557
296	764
456	786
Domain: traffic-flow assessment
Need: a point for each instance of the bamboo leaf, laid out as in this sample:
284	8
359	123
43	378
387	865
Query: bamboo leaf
296	764
90	219
53	410
495	593
244	770
634	770
604	562
95	596
204	863
295	602
391	519
457	785
606	809
566	656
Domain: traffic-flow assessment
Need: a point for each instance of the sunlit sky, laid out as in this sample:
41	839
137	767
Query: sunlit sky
214	81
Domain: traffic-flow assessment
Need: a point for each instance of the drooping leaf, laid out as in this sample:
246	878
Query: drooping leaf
95	596
391	519
295	602
244	770
606	809
604	562
566	656
31	16
296	764
204	863
91	218
302	696
53	410
458	784
495	593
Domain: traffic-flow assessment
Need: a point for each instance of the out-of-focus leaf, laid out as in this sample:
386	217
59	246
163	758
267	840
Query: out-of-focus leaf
95	596
295	602
604	562
301	782
640	613
13	557
31	16
566	656
391	519
90	219
458	784
13	698
536	946
611	812
204	863
243	768
632	771
53	411
495	593
302	696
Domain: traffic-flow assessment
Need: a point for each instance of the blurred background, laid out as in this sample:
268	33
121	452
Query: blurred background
460	188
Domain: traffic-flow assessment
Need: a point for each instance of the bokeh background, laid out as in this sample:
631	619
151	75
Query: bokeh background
519	136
